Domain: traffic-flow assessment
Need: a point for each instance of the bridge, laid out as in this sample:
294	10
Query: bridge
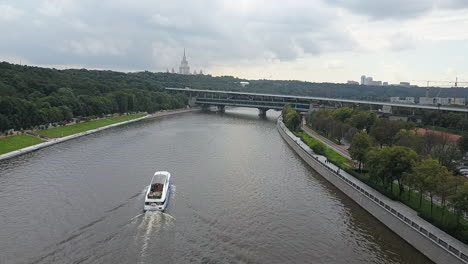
264	102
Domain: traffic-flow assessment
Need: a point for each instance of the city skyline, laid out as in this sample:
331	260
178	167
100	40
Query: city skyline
319	41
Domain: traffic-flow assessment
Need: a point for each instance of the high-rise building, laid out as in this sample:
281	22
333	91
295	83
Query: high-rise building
184	68
370	81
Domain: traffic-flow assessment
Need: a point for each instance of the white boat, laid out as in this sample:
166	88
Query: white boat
157	195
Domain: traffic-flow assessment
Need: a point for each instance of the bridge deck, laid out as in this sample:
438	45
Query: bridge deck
310	99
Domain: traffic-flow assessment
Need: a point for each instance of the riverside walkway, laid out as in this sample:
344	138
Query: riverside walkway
398	217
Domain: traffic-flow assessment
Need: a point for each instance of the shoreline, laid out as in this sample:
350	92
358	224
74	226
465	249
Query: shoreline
54	141
434	243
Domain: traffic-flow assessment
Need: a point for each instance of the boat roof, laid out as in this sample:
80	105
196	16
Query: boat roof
160	177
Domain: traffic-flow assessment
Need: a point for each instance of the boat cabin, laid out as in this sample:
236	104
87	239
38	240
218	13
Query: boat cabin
157	186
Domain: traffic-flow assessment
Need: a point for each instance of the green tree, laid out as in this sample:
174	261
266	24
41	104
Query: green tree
460	201
342	114
410	139
338	130
392	163
360	146
463	143
362	120
319	148
384	130
4	123
291	118
432	177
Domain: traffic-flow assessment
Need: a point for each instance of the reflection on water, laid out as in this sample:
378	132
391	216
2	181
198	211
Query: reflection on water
242	196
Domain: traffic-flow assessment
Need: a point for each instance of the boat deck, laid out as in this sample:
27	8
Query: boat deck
156	191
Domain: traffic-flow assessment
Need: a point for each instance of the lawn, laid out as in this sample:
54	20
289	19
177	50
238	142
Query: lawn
17	142
331	155
85	126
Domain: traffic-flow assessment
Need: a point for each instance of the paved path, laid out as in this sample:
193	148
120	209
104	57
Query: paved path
337	148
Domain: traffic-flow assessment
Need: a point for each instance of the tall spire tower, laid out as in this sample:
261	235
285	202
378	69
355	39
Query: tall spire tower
184	67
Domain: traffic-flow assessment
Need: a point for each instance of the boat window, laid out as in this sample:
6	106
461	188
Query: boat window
160	178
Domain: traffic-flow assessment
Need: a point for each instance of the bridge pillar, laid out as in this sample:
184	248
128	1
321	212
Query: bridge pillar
387	109
311	107
221	108
192	100
262	111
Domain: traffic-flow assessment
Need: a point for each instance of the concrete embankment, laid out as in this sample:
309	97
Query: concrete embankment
428	239
62	139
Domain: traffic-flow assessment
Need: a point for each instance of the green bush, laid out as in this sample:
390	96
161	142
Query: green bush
319	148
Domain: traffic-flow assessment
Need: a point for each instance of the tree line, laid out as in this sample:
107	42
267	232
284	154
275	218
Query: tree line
396	159
33	96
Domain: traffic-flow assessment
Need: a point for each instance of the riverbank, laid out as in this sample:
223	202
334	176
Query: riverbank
428	239
67	130
54	141
13	143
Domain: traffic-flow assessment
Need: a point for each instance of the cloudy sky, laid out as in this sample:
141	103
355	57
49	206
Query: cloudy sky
314	40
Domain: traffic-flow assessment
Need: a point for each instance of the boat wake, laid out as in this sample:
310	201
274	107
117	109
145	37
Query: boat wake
151	233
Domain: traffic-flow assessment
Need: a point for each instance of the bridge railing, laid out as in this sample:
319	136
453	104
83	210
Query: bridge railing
255	104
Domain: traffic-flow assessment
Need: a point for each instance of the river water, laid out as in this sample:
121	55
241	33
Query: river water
241	195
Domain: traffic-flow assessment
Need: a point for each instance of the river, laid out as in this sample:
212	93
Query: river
240	195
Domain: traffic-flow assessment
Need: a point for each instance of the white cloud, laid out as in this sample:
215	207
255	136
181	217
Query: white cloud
55	8
334	64
94	47
9	13
266	37
160	20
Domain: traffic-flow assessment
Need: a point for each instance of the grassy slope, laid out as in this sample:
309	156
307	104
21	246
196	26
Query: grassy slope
85	126
331	155
17	142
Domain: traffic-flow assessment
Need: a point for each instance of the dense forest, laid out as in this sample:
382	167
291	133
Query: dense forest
32	96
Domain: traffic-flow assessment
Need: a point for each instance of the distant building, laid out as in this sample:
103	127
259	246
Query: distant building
352	82
243	84
184	67
385	83
459	101
370	81
406	100
441	101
